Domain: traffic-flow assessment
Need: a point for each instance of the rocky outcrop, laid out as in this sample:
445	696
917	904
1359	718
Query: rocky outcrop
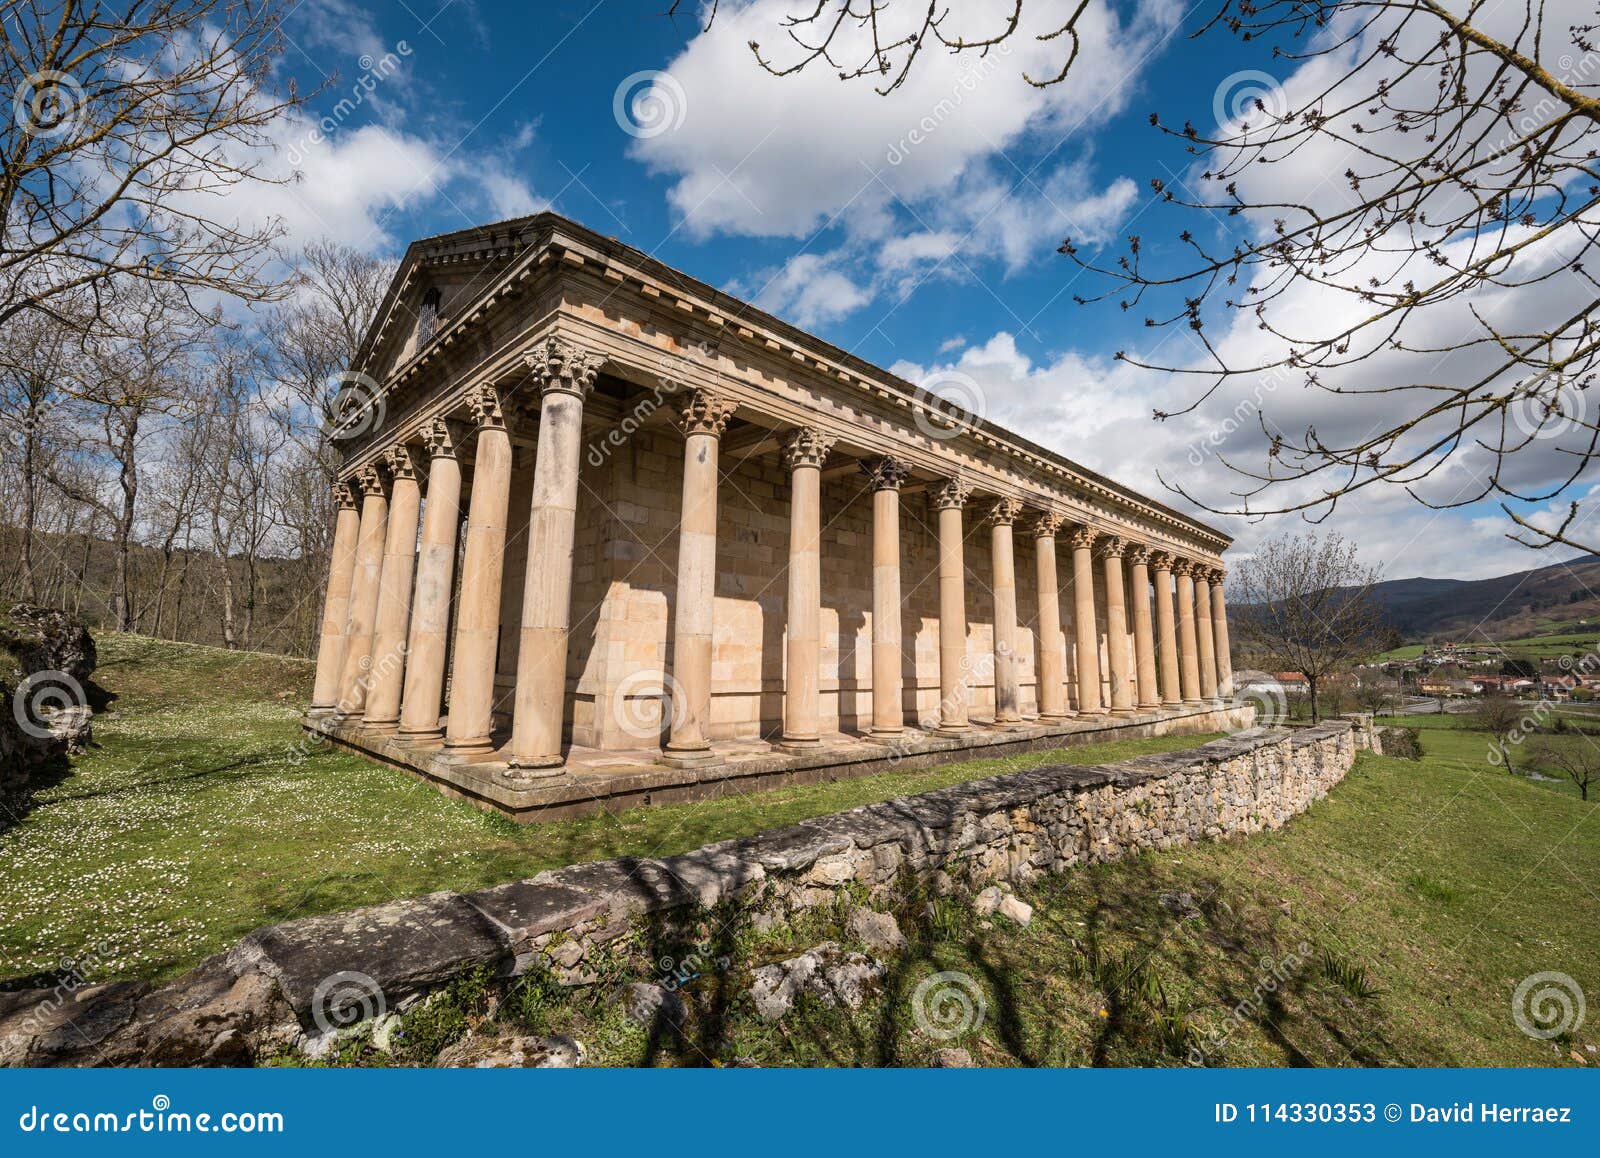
302	981
46	659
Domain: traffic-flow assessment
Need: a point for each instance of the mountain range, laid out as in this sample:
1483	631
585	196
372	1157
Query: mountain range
1524	603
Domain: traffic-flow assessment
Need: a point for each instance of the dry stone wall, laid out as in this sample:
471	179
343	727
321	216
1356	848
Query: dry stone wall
277	987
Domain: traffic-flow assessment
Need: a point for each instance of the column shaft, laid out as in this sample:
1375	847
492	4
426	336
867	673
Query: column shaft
565	375
804	452
1117	657
477	638
394	593
1143	635
363	618
1188	655
704	417
1052	645
1084	628
336	604
1167	634
1207	649
1007	693
1219	626
948	499
885	477
430	606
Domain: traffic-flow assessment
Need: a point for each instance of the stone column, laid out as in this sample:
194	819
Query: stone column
394	592
436	570
885	477
1166	632
471	710
1111	550
564	376
948	498
336	604
1219	628
1052	645
705	416
363	618
1001	515
804	451
1084	629
1207	649
1188	656
1144	650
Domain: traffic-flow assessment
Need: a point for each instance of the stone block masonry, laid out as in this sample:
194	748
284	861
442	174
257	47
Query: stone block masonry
289	983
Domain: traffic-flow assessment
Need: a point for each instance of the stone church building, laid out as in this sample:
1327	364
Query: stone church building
607	536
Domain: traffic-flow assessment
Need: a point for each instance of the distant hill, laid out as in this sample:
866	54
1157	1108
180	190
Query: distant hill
1524	603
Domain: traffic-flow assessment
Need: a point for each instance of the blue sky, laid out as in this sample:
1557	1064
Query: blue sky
916	230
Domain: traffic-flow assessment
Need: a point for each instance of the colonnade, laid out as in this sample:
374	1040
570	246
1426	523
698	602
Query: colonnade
386	631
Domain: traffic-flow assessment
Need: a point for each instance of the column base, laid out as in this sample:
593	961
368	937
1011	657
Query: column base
689	757
532	772
876	733
321	711
467	749
1049	717
1173	704
1122	712
421	735
1150	706
1195	703
381	727
953	730
800	743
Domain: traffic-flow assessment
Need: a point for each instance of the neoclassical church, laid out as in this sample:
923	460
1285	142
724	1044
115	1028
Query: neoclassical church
607	536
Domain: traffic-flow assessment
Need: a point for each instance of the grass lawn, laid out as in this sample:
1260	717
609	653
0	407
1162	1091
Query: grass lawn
201	814
1390	925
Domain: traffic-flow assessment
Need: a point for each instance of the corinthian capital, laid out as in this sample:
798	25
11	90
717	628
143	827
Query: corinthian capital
559	367
884	474
1162	560
1002	512
949	494
707	413
1138	555
1045	524
1111	547
442	437
484	406
401	461
806	446
1082	538
344	495
372	481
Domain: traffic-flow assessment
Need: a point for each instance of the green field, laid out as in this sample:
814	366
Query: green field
1395	919
201	814
1551	646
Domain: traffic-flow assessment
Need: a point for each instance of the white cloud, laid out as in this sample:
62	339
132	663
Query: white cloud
809	290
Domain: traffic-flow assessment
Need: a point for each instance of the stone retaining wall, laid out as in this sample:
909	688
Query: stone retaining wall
287	983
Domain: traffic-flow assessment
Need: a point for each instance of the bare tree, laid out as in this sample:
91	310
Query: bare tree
131	125
1306	604
1578	761
1461	140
